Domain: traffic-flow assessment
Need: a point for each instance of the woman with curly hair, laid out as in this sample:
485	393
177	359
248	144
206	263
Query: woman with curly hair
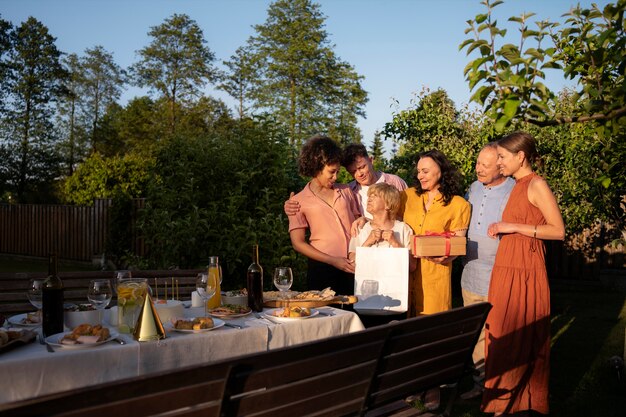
434	205
327	210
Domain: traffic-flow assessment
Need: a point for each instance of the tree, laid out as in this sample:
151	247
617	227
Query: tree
68	122
99	177
34	82
238	81
508	79
176	64
587	47
102	83
301	81
5	46
378	153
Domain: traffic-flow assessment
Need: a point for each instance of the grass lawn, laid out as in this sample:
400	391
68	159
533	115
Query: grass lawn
588	325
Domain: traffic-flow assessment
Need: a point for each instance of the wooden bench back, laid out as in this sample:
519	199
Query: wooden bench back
340	376
191	392
13	299
326	378
427	351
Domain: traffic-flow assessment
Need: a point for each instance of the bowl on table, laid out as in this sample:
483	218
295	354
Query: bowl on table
81	314
239	298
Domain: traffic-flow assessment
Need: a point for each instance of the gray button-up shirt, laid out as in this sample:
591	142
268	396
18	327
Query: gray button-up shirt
487	206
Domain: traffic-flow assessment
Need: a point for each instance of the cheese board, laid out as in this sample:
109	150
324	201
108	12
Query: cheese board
284	302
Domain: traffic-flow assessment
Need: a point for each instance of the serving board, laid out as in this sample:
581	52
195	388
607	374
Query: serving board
27	337
340	299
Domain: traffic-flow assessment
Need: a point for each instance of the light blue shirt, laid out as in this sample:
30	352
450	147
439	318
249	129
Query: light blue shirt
487	206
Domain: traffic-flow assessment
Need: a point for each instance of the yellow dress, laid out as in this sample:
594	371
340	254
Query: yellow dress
430	288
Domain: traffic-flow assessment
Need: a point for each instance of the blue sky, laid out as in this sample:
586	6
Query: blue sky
399	46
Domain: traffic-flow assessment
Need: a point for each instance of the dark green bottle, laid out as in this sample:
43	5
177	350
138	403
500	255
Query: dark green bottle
52	299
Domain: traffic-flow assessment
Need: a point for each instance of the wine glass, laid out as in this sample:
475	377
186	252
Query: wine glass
283	279
34	292
206	285
99	294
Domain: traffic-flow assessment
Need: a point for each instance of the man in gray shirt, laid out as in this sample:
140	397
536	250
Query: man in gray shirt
488	197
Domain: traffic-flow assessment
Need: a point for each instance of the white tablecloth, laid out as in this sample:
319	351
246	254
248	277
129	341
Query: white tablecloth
31	371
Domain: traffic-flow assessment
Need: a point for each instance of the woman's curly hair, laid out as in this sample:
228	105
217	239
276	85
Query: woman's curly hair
317	152
450	181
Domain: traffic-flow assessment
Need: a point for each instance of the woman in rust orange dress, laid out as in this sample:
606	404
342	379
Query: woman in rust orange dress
517	353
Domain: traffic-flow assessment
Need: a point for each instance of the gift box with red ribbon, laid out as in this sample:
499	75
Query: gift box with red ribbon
438	244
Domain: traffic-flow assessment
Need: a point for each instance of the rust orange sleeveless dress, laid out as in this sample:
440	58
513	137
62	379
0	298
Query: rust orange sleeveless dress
517	365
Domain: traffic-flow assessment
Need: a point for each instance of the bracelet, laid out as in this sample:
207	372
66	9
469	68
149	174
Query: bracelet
535	233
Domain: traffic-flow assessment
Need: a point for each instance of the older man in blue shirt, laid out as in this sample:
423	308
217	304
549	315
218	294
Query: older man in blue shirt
488	197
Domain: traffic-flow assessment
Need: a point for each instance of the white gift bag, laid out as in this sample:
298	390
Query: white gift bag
381	280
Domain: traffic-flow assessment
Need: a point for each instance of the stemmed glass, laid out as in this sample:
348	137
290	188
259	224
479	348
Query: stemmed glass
283	279
34	292
206	285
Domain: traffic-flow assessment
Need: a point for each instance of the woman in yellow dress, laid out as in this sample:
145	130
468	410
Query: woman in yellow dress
434	205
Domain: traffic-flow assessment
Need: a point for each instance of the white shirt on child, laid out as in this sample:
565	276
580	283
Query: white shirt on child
401	231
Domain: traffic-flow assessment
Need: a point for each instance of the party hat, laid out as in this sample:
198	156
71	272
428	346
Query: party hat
149	326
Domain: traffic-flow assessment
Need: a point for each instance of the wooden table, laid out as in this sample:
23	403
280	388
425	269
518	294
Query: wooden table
31	371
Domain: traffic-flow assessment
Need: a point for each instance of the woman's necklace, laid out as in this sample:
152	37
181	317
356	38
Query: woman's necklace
320	193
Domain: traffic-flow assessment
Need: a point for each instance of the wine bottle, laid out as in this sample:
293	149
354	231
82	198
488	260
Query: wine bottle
255	282
215	270
52	300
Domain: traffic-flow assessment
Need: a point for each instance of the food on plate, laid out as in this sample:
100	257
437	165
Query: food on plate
199	323
237	293
85	334
229	310
31	318
296	311
312	295
79	307
325	294
8	335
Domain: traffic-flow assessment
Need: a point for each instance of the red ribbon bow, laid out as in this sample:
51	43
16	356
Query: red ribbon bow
447	235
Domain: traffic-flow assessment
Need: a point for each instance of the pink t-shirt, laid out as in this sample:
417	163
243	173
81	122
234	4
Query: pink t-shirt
329	226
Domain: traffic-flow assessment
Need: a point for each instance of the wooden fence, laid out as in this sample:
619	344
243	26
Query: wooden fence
80	233
73	232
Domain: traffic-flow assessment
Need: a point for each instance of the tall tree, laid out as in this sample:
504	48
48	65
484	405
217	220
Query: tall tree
238	81
102	84
176	64
5	45
34	83
70	128
301	81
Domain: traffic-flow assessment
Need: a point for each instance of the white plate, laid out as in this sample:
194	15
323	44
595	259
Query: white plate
270	314
17	321
217	323
55	341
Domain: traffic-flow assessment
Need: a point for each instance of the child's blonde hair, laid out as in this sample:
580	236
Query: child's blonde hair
389	194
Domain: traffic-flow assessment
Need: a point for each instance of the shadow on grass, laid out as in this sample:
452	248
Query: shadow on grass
587	330
587	326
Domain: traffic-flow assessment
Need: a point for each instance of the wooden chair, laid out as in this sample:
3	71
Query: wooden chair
426	352
13	299
188	392
327	378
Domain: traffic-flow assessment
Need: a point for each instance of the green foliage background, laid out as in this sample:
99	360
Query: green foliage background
218	195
